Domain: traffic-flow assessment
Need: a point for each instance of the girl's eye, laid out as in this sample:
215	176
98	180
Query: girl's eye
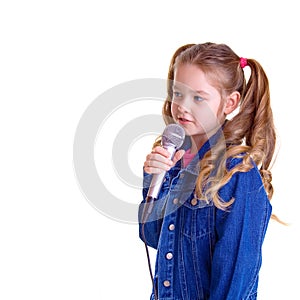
198	98
177	95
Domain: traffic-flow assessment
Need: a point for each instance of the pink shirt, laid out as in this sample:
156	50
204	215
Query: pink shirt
188	157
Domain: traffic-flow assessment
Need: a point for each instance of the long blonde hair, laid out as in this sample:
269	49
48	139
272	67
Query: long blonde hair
250	134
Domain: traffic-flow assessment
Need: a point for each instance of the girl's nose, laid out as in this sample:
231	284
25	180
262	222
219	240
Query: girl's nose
184	105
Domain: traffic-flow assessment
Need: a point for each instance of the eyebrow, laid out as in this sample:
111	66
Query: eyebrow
202	92
197	91
174	86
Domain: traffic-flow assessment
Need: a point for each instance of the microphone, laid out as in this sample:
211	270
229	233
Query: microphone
172	139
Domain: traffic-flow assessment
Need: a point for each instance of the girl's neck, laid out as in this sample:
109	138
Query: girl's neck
199	140
196	144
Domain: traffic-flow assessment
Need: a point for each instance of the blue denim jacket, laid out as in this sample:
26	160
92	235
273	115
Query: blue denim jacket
204	252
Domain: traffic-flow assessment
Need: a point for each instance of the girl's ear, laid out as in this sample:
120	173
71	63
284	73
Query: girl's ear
232	102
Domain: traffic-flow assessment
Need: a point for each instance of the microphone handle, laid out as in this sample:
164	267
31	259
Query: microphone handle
157	179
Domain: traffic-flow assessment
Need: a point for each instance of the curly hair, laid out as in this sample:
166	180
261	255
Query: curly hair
249	135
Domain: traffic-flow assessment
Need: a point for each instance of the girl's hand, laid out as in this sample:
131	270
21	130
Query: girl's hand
157	161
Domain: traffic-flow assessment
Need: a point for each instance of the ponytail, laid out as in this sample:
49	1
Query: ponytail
255	123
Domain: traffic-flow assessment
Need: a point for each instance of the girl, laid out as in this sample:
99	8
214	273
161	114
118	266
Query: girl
209	221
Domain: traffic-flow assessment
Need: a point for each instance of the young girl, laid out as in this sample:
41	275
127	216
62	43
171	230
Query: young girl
210	218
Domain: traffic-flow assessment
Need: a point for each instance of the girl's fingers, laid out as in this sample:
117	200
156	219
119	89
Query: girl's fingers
178	155
156	164
160	150
158	160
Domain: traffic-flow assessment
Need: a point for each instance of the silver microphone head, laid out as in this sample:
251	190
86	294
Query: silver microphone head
173	135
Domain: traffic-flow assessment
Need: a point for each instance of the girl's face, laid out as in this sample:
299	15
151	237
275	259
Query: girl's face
196	104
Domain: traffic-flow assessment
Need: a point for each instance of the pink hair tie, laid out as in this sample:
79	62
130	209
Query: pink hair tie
243	62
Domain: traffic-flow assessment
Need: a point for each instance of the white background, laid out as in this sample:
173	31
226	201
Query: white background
56	58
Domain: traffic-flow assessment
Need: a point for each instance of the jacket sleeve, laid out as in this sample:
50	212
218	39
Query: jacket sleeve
149	231
240	233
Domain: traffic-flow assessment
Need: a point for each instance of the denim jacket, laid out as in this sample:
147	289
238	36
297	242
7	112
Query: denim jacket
204	252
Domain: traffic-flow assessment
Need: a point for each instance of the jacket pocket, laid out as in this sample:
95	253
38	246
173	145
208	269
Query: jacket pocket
197	218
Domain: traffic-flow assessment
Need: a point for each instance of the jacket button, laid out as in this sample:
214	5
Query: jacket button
169	255
166	283
194	201
175	201
171	227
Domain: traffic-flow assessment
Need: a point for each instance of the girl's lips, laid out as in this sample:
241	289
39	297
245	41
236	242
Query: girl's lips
183	121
